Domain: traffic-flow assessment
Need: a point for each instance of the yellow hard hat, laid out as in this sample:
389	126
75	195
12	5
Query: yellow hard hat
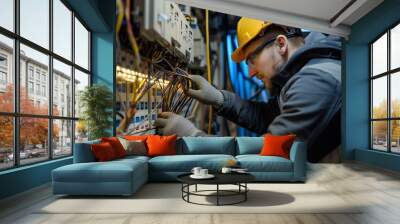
247	30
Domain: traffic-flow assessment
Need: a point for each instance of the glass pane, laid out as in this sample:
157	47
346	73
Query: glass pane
6	74
62	138
395	47
62	29
33	139
379	135
81	45
395	95
35	21
379	97
395	136
6	142
379	55
7	14
81	131
81	81
62	89
34	92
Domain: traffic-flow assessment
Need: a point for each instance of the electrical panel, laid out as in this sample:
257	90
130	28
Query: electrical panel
147	107
165	23
199	48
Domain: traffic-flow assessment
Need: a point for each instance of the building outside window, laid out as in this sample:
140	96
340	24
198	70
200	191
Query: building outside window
38	89
3	78
3	60
43	77
30	87
3	71
30	72
43	90
37	75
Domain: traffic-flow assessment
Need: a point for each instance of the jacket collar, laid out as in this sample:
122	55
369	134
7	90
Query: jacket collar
316	45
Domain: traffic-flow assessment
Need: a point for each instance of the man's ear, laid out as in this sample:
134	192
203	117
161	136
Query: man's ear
282	44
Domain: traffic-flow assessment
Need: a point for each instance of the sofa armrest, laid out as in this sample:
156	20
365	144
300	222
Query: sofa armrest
83	152
298	155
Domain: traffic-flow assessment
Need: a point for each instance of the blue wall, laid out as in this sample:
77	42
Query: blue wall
99	17
24	178
356	85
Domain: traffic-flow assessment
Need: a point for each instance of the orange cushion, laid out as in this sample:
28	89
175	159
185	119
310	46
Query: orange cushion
116	145
103	151
136	137
161	145
275	145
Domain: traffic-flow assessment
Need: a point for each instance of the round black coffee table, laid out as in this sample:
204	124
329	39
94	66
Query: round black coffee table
238	179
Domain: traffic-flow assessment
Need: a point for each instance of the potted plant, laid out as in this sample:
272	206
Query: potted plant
96	110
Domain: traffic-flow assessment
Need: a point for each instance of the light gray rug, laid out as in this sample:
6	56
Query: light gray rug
166	198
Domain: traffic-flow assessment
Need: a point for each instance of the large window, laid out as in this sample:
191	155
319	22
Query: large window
385	91
44	64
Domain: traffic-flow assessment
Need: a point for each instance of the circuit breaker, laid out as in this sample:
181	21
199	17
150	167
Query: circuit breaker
154	21
165	23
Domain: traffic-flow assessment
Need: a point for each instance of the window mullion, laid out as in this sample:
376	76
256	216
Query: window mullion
389	106
50	81
17	88
371	89
73	81
16	84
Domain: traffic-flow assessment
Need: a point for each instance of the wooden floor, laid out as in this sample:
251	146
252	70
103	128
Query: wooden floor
377	188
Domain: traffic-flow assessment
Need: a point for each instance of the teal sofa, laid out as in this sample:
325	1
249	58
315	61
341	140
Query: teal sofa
125	176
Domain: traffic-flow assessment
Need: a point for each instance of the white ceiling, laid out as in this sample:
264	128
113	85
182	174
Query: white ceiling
319	15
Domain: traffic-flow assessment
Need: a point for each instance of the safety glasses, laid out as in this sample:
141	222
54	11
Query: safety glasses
253	55
250	60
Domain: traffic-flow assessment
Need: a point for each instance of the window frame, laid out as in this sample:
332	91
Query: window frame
16	114
388	74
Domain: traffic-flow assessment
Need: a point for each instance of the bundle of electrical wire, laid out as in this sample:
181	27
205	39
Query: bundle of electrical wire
173	94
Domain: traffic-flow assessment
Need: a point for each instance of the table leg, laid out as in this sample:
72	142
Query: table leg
245	193
217	194
188	190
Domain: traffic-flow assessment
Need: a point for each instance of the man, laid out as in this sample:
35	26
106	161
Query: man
304	75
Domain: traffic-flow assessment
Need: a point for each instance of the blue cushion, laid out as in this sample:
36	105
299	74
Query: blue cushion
185	163
83	153
257	163
206	145
111	171
249	145
118	177
93	172
298	154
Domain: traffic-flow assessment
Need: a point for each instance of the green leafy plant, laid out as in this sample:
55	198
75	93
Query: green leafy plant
96	103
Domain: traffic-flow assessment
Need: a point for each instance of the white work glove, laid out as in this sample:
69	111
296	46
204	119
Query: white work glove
205	92
169	123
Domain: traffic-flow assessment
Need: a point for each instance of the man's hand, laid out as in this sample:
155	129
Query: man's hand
205	92
169	123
